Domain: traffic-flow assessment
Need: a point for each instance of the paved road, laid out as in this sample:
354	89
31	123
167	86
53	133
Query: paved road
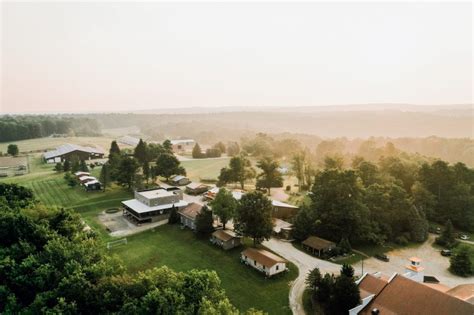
305	263
434	264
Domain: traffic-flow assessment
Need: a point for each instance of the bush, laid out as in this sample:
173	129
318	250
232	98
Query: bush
461	264
401	240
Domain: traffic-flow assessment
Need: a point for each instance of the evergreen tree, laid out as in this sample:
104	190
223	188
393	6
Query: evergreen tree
204	221
83	166
105	175
140	152
114	148
167	147
127	171
197	152
174	216
59	167
461	264
67	165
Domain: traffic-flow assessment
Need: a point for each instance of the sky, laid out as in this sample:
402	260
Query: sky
107	56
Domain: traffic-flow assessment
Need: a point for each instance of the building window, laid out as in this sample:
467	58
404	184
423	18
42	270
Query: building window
277	267
255	262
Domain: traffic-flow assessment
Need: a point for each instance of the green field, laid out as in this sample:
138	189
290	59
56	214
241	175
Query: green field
42	144
182	250
204	168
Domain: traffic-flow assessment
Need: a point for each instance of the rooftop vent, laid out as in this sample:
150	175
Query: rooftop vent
375	311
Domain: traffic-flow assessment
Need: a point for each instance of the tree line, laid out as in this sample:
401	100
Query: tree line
50	265
392	200
29	127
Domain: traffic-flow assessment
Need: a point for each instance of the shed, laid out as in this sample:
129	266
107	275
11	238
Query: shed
282	228
226	239
314	243
179	180
196	188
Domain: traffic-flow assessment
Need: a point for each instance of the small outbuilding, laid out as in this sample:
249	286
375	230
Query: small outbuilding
282	229
179	180
196	188
264	261
93	185
316	244
283	210
226	239
188	215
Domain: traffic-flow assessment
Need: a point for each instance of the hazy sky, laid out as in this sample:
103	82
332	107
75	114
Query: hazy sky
115	56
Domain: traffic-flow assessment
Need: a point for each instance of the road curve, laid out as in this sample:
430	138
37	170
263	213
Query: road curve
305	263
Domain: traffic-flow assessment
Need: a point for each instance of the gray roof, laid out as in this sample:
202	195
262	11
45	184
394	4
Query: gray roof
68	148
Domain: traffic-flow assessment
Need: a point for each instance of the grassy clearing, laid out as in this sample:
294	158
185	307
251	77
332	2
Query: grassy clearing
182	250
204	168
41	144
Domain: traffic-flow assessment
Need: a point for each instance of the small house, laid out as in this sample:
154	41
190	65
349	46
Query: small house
264	261
316	244
93	185
226	239
179	180
196	188
188	215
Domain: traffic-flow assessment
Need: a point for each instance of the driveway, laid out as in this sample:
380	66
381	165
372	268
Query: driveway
305	263
434	264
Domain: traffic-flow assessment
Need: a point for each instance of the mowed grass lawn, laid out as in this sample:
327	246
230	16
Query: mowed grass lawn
204	168
48	143
182	250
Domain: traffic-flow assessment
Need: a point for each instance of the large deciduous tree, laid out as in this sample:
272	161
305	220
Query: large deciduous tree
254	216
224	206
240	169
168	165
12	149
270	176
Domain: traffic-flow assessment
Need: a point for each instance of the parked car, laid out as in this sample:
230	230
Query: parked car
464	237
445	252
382	257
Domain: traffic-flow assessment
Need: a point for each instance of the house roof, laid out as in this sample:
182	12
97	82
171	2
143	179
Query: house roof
140	207
178	177
79	174
318	243
194	185
279	224
263	257
371	284
224	235
181	141
68	148
191	210
129	140
92	182
87	178
405	296
464	292
277	203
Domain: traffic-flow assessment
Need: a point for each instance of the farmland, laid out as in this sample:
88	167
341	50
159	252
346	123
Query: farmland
200	169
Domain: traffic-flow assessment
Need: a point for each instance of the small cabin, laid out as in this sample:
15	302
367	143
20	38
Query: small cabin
225	239
264	261
179	180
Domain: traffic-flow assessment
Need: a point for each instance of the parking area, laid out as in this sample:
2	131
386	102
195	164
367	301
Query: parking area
117	225
434	264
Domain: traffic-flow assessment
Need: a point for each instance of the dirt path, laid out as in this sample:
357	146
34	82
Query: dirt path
305	263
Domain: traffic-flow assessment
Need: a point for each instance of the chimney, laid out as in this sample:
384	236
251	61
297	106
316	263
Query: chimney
414	270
